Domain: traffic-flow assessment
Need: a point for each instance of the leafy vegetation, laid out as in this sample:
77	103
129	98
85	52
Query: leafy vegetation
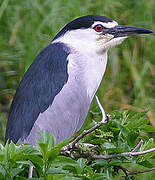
121	134
28	26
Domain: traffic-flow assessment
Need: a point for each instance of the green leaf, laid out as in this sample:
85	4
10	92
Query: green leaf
52	154
56	171
16	171
132	137
147	128
1	156
70	178
2	173
100	162
41	178
81	164
90	171
115	162
43	149
47	138
55	176
24	178
36	159
99	176
146	163
137	121
67	160
108	145
29	150
25	162
147	145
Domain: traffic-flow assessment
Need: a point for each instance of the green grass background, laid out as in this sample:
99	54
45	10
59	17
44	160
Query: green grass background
27	26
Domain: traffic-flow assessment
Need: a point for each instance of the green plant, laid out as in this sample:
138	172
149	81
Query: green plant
28	26
121	134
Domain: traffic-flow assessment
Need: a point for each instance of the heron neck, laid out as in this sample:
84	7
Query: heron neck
87	70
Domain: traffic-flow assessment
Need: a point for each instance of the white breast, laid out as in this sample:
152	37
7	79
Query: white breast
88	69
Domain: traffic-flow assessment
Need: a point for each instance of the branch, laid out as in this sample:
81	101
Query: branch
138	146
73	147
107	157
127	173
85	132
138	172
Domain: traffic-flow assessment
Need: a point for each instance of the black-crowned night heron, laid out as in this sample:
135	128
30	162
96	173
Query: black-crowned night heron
56	92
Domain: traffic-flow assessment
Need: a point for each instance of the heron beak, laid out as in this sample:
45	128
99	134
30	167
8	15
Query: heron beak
121	31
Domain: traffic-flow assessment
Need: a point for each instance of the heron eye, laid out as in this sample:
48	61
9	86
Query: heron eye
98	28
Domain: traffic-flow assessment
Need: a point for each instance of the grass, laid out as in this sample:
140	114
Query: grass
28	26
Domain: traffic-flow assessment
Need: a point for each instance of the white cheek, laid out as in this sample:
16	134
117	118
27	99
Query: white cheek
114	42
102	39
108	41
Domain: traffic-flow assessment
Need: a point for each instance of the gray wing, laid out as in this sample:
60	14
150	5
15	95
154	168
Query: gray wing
68	110
42	82
64	117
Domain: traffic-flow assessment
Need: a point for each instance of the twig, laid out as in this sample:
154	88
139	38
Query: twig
107	157
92	146
85	132
69	149
66	149
138	172
138	146
127	173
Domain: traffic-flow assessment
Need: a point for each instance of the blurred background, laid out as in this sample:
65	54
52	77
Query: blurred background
27	26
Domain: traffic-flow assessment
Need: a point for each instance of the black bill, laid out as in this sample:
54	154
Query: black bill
121	31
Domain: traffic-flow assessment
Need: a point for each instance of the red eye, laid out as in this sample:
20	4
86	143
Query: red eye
98	28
